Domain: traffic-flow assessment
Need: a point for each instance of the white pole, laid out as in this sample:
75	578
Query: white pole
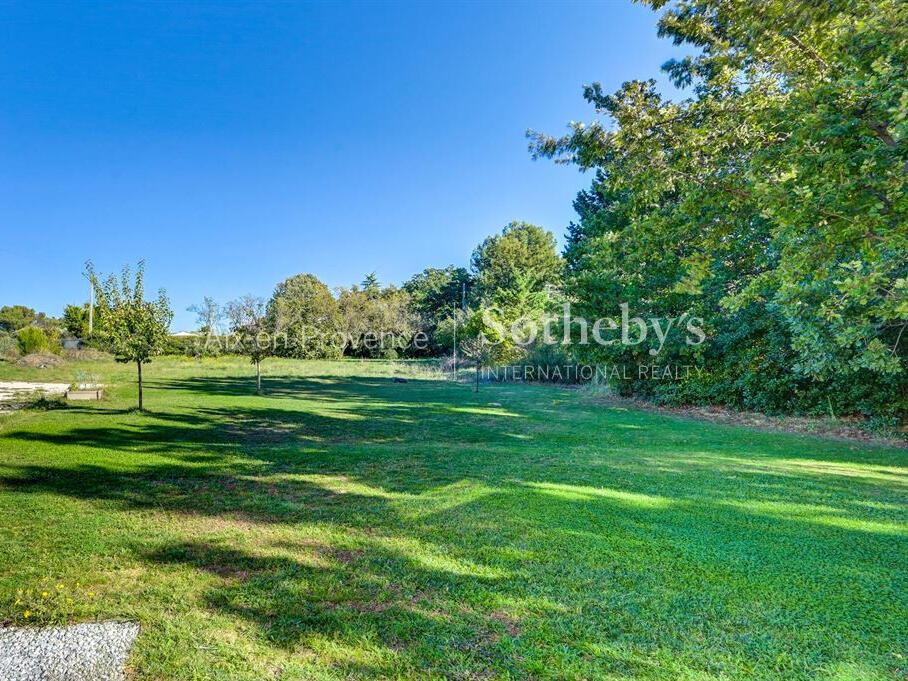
91	307
455	343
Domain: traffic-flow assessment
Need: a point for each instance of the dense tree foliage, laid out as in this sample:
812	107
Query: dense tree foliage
305	319
435	295
31	339
15	317
516	265
773	202
518	276
376	321
75	320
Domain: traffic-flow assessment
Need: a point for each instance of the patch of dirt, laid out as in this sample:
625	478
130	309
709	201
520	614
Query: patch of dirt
844	428
40	360
509	623
87	355
368	607
347	555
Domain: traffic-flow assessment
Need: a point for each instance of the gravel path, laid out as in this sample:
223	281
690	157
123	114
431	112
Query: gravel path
93	651
11	389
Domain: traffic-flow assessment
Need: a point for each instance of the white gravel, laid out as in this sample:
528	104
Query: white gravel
13	389
93	651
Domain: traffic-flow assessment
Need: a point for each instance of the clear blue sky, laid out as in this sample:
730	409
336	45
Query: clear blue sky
234	144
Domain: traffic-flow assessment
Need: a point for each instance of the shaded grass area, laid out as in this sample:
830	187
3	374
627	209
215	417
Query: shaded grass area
345	526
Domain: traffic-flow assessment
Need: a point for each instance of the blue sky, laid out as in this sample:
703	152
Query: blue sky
234	144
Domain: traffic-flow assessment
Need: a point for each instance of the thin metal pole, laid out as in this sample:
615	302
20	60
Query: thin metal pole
91	307
455	343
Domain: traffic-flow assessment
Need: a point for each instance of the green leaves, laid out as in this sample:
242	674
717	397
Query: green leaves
132	328
779	186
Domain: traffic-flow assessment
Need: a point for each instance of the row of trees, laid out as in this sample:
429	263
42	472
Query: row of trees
516	272
773	202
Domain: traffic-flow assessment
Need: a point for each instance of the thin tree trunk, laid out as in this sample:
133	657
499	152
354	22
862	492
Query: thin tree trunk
258	377
139	362
477	376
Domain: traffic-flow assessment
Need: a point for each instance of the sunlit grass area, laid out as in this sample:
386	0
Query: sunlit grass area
344	526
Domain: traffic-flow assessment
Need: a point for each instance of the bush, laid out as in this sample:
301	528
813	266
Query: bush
552	361
883	426
9	345
32	340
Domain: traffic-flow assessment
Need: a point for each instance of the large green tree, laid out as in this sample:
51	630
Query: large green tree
15	317
377	322
75	320
435	294
522	259
775	195
518	276
305	319
132	328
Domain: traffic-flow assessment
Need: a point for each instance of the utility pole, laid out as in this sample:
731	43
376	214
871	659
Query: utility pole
91	303
455	343
463	305
91	307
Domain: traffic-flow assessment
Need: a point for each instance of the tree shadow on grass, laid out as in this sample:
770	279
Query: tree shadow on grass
366	599
574	566
198	489
591	538
319	387
413	445
575	572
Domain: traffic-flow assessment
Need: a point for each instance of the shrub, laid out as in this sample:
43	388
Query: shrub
32	340
551	360
9	345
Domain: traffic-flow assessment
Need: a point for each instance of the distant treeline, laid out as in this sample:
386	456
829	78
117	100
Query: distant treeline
518	270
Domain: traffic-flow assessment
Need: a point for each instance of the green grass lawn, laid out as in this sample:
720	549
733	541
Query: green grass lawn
343	526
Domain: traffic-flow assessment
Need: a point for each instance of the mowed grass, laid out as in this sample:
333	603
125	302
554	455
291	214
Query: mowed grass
344	526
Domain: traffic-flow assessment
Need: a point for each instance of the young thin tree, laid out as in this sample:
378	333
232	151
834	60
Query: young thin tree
249	328
209	316
479	350
132	328
479	342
